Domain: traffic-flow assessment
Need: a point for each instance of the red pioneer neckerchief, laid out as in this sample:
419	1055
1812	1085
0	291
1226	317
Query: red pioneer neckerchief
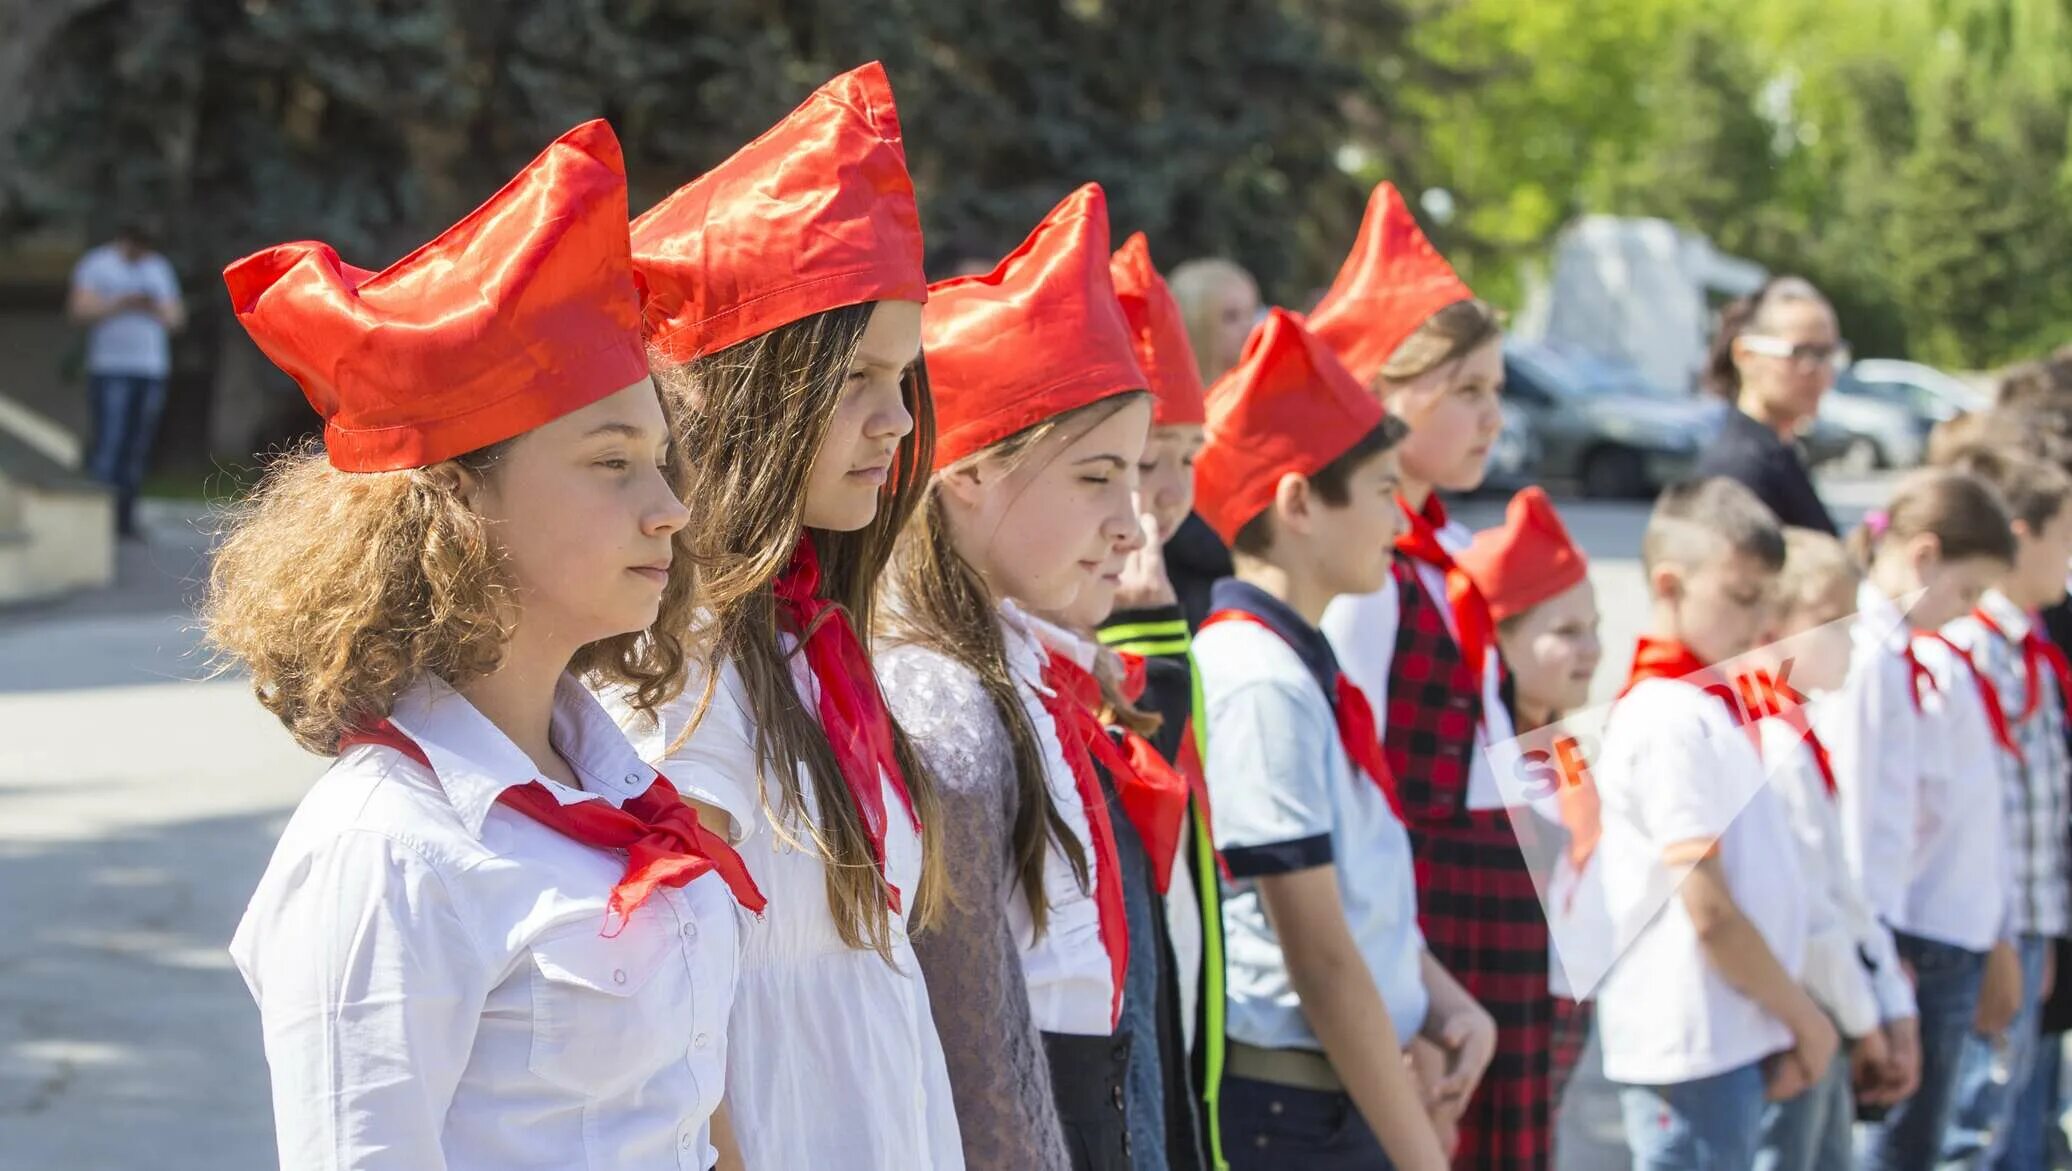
1358	733
1794	717
2038	653
1989	698
1082	737
852	709
664	842
1152	793
1471	617
1669	658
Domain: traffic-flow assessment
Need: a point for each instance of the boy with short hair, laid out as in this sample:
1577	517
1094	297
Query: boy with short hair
1701	1016
1329	979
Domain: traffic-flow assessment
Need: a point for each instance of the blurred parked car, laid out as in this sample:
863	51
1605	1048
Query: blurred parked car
1601	423
1881	433
1514	455
1924	395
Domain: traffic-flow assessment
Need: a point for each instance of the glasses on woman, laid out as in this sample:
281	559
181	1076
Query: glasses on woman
1804	355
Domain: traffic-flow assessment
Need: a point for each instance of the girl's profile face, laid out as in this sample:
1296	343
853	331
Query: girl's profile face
1454	418
1049	524
855	458
1553	650
582	515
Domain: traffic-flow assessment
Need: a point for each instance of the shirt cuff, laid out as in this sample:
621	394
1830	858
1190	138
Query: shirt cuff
1278	857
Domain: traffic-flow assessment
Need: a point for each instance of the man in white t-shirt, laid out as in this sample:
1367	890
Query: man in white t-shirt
126	295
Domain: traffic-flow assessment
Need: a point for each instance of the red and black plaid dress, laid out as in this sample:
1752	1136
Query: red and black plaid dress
1481	914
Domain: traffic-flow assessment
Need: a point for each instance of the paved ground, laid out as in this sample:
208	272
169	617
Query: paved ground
138	804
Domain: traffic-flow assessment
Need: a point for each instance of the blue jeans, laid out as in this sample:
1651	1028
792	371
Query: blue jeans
1812	1131
1270	1127
1712	1124
1946	984
1993	1079
126	409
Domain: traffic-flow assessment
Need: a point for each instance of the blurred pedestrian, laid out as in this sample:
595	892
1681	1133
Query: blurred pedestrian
126	295
1220	302
1773	358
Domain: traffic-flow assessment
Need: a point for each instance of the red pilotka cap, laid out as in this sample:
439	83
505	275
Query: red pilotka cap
1287	406
1040	335
1524	561
816	214
1159	333
1391	283
521	313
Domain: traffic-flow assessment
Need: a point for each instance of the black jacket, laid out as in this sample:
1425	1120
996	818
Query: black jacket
1751	453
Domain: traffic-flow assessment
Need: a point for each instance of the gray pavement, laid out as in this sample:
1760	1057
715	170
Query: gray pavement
139	801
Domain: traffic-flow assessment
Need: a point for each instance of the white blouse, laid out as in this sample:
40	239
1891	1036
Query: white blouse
1920	796
833	1058
1071	989
433	982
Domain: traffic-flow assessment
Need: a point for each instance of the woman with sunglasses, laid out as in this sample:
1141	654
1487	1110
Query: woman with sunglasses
1776	353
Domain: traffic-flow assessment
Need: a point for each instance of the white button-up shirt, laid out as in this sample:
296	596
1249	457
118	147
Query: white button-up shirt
433	982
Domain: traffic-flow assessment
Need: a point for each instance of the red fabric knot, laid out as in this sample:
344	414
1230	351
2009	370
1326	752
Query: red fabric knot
852	708
1989	698
665	843
2038	654
1082	736
1475	629
1669	658
1919	675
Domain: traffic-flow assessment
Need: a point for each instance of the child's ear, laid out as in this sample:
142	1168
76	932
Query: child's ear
966	483
1665	582
1292	503
1923	553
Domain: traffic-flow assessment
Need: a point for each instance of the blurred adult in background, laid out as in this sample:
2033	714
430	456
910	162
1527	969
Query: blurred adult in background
126	296
1773	358
1220	302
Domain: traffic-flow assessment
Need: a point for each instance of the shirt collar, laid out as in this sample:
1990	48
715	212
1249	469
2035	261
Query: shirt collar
1885	622
2011	620
1309	643
1022	649
475	762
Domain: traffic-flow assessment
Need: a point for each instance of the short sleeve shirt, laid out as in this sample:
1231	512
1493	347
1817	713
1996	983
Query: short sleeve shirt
1287	798
132	342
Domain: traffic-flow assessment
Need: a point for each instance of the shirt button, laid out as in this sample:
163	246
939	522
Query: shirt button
632	778
619	976
690	931
687	1141
701	1041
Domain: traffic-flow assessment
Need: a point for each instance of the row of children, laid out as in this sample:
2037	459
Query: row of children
958	864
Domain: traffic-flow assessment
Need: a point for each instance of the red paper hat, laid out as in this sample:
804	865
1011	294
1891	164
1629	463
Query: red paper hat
517	315
1526	560
1040	335
1287	406
816	214
1393	282
1159	333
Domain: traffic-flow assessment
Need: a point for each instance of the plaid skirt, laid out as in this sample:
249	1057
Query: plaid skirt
1482	918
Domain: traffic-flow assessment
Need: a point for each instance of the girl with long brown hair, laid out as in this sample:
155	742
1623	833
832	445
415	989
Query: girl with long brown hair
783	296
490	935
1044	417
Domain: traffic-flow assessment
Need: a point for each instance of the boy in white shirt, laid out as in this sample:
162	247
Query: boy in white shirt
1701	1016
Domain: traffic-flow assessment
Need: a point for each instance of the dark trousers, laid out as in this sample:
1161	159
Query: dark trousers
126	409
1271	1127
1086	1077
